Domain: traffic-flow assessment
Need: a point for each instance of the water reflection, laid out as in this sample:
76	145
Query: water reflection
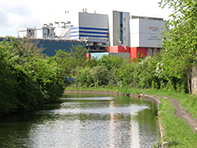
113	126
83	123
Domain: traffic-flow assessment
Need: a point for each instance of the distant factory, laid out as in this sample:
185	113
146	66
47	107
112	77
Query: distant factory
126	36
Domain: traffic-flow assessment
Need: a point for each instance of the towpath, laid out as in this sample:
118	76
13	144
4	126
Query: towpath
180	112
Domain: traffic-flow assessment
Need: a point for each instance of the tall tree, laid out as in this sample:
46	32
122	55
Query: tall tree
180	39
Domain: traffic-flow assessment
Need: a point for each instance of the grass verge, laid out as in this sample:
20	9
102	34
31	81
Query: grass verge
177	132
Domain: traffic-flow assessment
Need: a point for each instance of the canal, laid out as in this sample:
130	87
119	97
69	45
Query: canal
84	121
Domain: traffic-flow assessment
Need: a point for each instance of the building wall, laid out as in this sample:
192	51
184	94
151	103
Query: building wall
146	32
116	28
118	49
50	45
145	51
92	26
126	29
121	28
100	55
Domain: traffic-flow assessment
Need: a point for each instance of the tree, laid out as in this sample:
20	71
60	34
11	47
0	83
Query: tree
69	61
180	39
27	78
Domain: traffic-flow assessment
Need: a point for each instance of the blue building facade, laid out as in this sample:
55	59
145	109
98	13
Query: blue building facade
51	45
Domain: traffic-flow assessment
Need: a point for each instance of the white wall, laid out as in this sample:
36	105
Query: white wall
23	32
93	20
94	27
39	32
146	33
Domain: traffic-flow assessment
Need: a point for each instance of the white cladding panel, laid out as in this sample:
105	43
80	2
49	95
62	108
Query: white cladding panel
23	33
134	26
150	26
135	40
148	32
93	20
149	40
39	32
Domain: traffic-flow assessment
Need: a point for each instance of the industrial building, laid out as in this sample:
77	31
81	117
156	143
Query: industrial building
49	46
130	34
121	28
90	27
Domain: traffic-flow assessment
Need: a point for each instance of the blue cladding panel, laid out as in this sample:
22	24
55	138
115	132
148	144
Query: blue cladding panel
74	32
96	36
74	36
50	46
73	28
93	32
87	28
1	39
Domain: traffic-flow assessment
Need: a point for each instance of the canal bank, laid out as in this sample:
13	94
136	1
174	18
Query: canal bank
179	111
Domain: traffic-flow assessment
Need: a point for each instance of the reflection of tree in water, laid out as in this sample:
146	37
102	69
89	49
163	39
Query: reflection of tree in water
147	117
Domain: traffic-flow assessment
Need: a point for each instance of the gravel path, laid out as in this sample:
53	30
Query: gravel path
180	112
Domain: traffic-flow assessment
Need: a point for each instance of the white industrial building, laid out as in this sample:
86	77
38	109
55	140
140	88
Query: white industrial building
146	31
38	32
92	27
140	33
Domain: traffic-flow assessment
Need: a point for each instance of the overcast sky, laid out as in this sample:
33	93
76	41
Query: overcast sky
16	14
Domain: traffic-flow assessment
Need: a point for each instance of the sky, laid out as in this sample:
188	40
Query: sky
15	14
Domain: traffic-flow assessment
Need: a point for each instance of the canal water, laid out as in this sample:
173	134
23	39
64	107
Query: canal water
84	121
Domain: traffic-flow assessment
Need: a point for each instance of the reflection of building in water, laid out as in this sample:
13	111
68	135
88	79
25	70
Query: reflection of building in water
135	136
114	125
113	115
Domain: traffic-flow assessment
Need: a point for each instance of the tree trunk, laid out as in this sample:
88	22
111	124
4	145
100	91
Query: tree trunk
194	80
188	83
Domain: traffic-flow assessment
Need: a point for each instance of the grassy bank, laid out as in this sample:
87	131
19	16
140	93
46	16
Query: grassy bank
177	132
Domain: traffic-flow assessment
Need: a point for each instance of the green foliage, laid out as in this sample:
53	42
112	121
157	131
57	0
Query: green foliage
96	76
139	58
124	74
100	75
27	78
110	61
69	61
180	43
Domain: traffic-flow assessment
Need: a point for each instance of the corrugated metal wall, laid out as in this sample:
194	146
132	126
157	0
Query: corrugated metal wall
50	46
